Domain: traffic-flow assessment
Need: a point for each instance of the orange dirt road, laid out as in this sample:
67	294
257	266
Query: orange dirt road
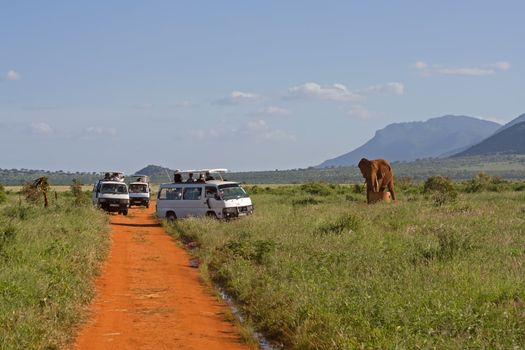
148	296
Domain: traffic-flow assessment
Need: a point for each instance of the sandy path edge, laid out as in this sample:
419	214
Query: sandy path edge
148	297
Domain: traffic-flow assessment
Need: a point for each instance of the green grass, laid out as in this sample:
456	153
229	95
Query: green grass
48	258
316	268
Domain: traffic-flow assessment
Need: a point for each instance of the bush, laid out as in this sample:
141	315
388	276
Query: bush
3	195
317	189
78	195
441	189
346	223
479	183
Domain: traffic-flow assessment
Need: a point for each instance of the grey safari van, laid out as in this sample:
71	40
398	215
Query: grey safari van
215	198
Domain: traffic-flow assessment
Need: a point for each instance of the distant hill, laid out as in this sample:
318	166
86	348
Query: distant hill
435	137
157	173
510	140
515	121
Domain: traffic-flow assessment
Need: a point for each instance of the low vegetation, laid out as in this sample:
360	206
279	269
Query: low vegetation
509	166
48	258
316	268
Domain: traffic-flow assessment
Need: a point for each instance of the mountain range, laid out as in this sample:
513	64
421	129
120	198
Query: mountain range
507	140
436	137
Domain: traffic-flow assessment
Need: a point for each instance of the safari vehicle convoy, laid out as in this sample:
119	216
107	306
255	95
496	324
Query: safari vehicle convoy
139	190
206	196
111	193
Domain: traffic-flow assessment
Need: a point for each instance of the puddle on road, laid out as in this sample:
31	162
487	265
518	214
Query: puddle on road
263	342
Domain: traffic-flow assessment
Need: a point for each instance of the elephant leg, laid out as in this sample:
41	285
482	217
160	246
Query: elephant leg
391	189
374	184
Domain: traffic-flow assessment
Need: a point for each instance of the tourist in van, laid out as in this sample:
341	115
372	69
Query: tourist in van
201	179
209	177
190	178
177	178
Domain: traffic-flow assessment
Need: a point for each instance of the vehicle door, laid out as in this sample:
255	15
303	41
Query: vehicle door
95	193
213	201
194	202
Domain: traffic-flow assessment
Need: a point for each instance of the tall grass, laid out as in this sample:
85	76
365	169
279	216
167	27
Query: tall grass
317	268
48	257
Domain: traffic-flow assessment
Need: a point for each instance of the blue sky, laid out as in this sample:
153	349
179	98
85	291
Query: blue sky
246	85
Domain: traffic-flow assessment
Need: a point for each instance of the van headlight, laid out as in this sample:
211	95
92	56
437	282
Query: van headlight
229	211
102	200
124	200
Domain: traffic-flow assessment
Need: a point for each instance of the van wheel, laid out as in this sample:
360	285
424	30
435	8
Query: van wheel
211	215
147	205
171	217
125	212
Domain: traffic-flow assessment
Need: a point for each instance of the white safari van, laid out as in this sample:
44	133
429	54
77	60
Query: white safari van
212	197
111	196
139	190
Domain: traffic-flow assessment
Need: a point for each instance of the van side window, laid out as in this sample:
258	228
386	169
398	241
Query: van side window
211	191
170	193
192	193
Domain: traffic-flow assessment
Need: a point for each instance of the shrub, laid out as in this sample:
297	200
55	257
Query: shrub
441	190
317	189
358	188
345	223
3	195
478	183
76	190
305	201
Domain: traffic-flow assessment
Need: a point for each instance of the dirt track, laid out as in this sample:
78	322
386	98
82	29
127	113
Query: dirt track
148	297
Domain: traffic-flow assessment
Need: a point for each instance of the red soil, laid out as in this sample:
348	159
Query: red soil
148	296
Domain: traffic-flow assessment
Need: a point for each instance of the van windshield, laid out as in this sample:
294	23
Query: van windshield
232	191
113	188
138	188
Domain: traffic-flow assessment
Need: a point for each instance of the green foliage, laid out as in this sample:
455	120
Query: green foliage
305	201
317	189
348	223
48	257
410	275
3	195
441	189
483	182
79	197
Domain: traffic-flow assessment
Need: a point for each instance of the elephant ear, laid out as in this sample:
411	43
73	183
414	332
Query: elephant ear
364	166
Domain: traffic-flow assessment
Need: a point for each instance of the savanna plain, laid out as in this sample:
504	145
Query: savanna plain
314	267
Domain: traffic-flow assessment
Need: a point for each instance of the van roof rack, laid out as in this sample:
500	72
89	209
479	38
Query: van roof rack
139	178
218	171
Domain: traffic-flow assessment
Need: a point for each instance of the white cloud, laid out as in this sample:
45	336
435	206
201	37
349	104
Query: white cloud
259	129
40	128
466	71
359	112
275	110
335	92
502	66
420	65
201	134
12	75
100	131
239	97
393	88
183	104
484	70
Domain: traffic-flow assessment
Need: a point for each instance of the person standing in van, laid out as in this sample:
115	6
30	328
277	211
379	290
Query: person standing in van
201	179
190	178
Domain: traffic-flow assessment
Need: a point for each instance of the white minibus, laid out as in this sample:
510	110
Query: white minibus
215	198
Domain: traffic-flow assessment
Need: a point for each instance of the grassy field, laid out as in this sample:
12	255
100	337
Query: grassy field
317	268
48	258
